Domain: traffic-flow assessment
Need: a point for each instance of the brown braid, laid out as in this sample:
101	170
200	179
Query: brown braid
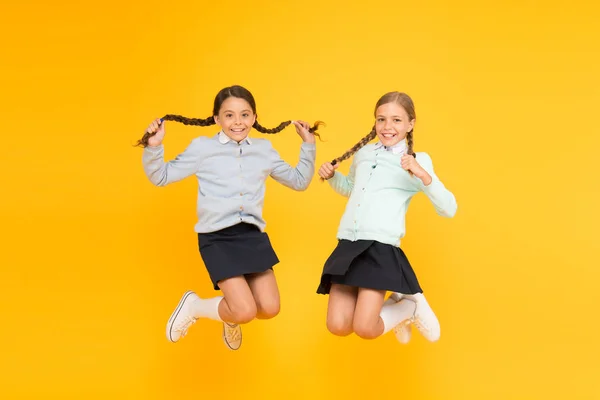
189	121
277	129
143	142
356	147
231	91
409	144
283	125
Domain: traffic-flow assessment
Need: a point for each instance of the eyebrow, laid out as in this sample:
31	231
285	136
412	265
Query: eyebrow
232	111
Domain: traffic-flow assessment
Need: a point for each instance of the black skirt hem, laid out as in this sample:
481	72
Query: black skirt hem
239	250
369	264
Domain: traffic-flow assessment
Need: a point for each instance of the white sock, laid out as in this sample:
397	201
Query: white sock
207	308
421	297
418	298
393	314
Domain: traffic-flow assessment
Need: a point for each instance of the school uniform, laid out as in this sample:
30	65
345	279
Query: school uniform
231	187
368	252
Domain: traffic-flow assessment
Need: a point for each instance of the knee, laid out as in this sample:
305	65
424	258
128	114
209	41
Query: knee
339	326
366	330
243	313
268	310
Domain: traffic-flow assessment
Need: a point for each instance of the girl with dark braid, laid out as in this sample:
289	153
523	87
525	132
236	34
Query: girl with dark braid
368	260
231	170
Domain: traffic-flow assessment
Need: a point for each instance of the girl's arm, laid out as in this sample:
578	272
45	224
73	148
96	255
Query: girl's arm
344	184
161	173
299	177
442	199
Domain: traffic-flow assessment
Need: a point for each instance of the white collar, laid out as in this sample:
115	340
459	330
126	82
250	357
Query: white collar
398	148
224	139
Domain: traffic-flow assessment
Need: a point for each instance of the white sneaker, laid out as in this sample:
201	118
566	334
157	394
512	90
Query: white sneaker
403	330
182	318
232	335
425	319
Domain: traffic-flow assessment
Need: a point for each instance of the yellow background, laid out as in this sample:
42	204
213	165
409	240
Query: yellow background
94	258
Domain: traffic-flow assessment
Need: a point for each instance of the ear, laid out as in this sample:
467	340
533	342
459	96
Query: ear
254	119
216	118
411	124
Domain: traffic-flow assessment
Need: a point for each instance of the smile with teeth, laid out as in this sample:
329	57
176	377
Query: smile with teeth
389	135
237	130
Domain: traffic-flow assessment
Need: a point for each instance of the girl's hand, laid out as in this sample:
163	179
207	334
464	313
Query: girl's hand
157	130
327	170
302	130
409	163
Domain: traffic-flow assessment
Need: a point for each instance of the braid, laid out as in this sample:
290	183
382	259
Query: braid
409	142
190	121
277	129
143	142
356	147
283	125
313	129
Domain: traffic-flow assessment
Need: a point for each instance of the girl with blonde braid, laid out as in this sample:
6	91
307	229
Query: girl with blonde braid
368	260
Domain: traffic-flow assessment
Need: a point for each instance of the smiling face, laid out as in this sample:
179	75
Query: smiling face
235	118
392	123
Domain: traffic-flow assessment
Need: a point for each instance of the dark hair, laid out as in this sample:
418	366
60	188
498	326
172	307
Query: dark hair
224	94
401	99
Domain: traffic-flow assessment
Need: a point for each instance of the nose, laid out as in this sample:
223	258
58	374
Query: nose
387	125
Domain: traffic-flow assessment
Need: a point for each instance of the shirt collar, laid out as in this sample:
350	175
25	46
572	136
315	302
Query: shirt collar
398	148
224	139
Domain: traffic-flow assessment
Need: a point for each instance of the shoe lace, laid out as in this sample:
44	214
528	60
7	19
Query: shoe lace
185	324
403	326
421	324
232	332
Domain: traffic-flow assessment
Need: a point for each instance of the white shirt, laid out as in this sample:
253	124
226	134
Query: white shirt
399	148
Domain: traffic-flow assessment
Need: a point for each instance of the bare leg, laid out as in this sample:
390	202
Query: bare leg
367	322
238	305
265	293
340	310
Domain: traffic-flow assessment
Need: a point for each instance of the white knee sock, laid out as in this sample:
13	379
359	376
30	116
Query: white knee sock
207	308
393	314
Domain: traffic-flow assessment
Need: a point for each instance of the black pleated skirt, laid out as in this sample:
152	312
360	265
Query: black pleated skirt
235	251
369	264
